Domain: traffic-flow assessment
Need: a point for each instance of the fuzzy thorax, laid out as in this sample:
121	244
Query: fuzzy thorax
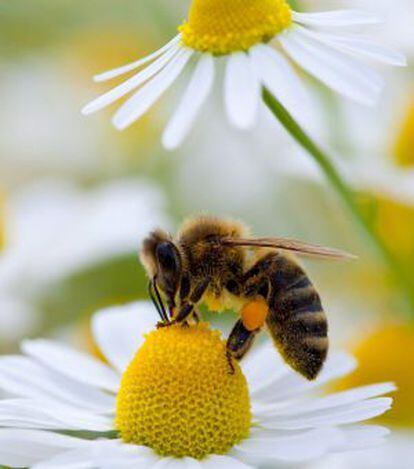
226	26
179	397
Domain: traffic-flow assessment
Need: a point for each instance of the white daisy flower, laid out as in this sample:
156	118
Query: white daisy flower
256	39
173	403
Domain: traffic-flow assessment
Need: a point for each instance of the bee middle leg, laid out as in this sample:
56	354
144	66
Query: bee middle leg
193	318
239	342
196	316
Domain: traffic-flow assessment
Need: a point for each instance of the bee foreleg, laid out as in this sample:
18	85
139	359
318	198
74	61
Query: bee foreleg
187	306
240	340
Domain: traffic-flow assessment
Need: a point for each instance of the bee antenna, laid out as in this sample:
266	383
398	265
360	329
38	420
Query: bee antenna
157	301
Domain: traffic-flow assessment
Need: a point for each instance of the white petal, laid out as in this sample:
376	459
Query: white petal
69	362
337	70
294	419
241	91
119	331
144	98
270	370
102	454
347	397
173	463
141	464
296	447
15	413
134	65
278	76
73	459
336	18
193	99
362	437
291	384
23	448
358	46
330	401
26	413
131	84
223	462
22	376
116	454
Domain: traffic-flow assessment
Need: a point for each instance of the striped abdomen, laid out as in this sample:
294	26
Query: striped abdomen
296	320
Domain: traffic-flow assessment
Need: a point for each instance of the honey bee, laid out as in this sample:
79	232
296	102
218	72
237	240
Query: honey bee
216	262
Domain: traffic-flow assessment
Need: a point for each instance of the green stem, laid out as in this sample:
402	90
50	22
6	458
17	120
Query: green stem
346	194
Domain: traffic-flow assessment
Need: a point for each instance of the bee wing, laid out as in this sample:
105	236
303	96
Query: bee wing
292	245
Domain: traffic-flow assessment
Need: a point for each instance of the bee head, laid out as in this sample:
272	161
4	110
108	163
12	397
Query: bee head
161	258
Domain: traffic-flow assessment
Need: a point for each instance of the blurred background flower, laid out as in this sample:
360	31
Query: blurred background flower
76	196
66	247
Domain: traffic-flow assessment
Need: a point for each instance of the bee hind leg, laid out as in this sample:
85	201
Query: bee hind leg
239	342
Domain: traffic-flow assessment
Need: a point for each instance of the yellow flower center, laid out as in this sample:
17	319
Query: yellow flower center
404	148
386	355
225	26
179	397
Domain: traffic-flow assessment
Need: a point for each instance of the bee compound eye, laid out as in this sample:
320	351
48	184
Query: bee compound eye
167	256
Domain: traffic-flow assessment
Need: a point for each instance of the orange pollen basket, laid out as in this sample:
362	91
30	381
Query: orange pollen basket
254	314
